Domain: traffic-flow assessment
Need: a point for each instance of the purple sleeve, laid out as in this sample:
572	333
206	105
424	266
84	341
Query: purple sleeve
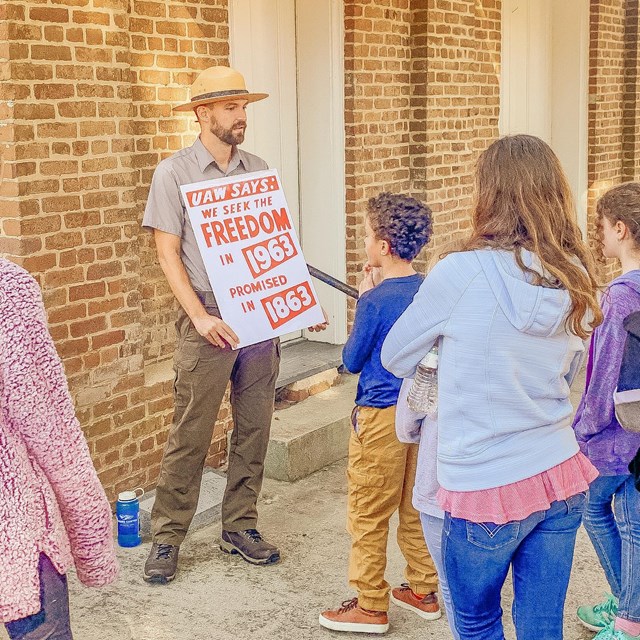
596	412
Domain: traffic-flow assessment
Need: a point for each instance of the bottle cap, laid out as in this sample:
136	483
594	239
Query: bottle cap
430	360
127	496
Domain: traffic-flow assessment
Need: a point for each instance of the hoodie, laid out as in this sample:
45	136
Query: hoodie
609	447
506	361
416	428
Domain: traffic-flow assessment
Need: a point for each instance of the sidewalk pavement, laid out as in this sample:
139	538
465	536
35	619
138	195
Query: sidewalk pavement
220	597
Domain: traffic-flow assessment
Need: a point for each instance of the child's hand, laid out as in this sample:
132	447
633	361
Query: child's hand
371	277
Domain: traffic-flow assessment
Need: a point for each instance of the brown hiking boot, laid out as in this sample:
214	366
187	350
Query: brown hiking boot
162	563
351	617
426	607
250	545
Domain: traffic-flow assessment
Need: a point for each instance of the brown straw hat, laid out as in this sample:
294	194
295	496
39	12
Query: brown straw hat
216	84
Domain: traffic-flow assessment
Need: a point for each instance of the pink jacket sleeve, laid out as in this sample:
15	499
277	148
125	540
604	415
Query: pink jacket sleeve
41	410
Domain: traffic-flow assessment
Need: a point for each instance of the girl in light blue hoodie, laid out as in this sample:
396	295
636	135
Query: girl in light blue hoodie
510	312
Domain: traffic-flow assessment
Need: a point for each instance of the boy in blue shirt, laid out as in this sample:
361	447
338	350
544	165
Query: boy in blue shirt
381	470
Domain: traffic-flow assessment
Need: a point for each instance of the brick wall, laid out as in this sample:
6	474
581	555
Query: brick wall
614	106
85	118
451	52
463	101
377	112
422	98
8	94
631	111
90	84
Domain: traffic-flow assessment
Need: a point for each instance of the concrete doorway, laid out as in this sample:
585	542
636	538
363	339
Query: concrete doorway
293	49
544	81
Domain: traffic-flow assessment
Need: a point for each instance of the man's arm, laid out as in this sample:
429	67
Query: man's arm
215	330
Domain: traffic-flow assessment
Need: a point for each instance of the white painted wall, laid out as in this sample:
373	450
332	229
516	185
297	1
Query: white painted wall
293	50
263	35
544	81
570	92
322	161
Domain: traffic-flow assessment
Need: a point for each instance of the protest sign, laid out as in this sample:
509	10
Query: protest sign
252	255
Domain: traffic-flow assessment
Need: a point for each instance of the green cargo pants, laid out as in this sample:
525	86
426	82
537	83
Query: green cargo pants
202	373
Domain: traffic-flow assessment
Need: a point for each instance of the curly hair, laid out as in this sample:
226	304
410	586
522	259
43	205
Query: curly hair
404	222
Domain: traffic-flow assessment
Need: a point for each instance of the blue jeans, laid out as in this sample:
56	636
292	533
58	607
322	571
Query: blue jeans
612	520
539	549
432	528
52	621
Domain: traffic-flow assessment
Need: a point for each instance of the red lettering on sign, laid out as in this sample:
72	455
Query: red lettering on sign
266	255
250	187
288	304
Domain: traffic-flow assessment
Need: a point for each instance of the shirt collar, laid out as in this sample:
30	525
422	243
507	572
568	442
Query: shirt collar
204	158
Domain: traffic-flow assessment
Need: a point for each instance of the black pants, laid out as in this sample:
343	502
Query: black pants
634	467
52	621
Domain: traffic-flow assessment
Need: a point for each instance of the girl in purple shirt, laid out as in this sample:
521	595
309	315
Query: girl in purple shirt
612	514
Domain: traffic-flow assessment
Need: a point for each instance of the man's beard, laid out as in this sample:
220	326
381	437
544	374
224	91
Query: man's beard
232	136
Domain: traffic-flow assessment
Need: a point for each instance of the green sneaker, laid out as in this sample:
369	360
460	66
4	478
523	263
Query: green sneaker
609	633
601	615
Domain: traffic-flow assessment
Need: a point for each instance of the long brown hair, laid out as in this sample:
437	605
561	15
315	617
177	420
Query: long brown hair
523	201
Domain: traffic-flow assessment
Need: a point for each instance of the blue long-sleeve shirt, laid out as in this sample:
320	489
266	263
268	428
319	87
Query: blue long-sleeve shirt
377	311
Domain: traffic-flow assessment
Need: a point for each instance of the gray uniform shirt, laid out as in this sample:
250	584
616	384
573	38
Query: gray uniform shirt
166	209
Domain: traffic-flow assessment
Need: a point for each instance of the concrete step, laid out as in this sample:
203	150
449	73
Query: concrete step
209	502
311	434
305	437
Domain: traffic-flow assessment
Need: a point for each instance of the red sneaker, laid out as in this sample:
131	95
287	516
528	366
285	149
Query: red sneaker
351	617
426	607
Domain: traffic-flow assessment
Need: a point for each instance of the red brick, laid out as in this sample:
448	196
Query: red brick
50	52
107	339
87	327
87	291
49	14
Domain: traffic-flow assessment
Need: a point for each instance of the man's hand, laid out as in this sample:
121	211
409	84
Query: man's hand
216	331
323	325
372	277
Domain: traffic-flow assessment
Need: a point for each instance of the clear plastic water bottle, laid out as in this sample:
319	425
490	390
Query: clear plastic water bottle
128	516
423	395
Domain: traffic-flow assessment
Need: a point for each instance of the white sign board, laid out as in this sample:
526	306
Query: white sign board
252	255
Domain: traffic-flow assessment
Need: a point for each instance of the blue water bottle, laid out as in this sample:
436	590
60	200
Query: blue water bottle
128	516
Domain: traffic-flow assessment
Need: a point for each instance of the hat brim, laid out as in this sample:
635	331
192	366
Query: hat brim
249	97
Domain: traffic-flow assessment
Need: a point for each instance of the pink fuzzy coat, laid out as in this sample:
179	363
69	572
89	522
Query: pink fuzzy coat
51	500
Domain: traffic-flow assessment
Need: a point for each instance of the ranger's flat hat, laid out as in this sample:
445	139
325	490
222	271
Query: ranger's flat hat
217	84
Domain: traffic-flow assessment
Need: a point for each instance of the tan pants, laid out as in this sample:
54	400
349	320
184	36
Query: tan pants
202	375
381	474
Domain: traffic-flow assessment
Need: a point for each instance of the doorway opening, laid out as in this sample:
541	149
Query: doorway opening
293	50
545	81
